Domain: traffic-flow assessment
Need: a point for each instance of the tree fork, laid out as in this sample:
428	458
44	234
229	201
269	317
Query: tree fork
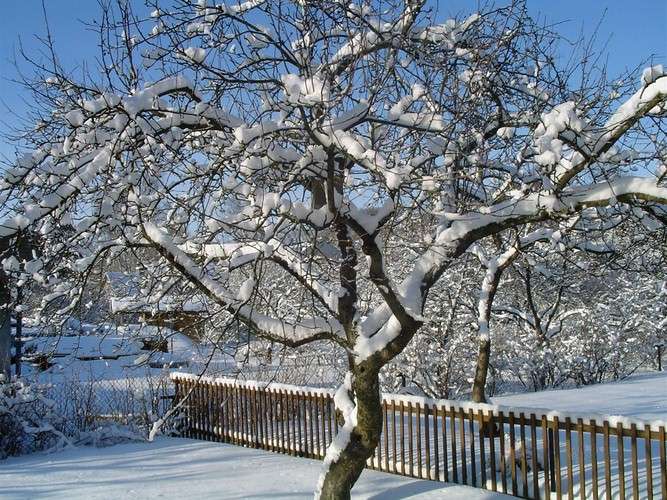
344	471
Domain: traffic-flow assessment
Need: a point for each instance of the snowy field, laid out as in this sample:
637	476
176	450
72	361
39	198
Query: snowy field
169	468
641	396
182	468
107	352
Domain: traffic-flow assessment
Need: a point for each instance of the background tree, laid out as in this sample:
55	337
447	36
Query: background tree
14	249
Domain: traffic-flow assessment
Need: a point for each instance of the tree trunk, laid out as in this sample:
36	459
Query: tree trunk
356	440
5	331
481	370
494	270
5	345
318	193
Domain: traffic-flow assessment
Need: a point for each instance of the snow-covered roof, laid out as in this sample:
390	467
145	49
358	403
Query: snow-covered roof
123	284
139	304
127	297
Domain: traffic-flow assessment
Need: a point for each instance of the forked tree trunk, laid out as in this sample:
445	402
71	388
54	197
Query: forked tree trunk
494	271
343	471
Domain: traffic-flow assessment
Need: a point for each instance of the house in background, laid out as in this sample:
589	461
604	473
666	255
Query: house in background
132	302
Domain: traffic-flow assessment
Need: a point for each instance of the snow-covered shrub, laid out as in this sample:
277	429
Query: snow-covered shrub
28	420
108	434
433	365
38	417
100	411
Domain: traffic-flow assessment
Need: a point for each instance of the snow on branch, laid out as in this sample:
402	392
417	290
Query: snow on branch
233	256
460	231
649	99
293	334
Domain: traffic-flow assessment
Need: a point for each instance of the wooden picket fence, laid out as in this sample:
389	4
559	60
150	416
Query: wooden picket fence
527	453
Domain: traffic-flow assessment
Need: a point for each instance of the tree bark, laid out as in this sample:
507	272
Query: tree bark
318	193
481	370
5	346
5	329
494	270
344	470
479	382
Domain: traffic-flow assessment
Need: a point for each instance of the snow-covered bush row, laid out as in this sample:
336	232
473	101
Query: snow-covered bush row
41	417
28	420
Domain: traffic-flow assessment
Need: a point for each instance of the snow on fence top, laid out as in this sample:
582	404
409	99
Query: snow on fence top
252	384
550	414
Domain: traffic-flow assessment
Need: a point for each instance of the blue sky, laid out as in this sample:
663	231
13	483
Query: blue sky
635	30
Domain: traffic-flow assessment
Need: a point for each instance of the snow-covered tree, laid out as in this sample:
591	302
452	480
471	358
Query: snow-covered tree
547	242
579	310
14	248
313	139
437	361
623	324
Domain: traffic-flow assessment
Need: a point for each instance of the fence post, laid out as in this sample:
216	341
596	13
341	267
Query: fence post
648	460
452	435
594	460
393	435
533	452
663	460
427	441
635	466
607	460
510	417
621	460
175	401
323	427
482	453
557	464
402	436
568	447
582	459
492	450
385	423
524	454
410	441
445	460
435	442
552	469
419	440
462	435
311	422
503	461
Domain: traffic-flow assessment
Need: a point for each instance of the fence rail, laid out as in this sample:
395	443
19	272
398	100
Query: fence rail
527	453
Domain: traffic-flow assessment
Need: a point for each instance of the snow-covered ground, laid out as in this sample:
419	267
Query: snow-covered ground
641	396
182	468
177	468
173	468
107	352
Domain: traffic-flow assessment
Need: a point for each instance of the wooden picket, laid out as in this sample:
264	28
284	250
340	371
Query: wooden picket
523	452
